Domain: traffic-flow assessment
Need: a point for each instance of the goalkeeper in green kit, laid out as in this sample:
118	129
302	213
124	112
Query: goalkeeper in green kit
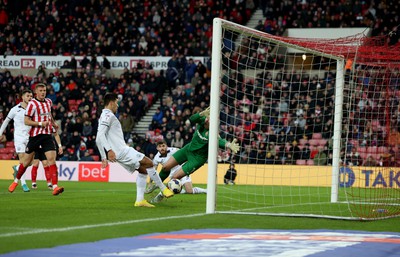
193	155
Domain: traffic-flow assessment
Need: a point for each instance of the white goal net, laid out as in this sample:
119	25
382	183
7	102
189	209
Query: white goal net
317	120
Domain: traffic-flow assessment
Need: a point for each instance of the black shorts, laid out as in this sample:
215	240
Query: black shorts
44	141
40	155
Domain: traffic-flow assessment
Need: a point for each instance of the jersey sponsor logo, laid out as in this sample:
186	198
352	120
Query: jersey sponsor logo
93	172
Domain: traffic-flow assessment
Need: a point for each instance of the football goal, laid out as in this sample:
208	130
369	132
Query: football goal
317	120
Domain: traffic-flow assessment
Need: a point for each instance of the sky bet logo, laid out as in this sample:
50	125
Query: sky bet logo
93	172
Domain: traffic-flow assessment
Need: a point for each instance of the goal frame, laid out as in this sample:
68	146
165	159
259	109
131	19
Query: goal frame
215	108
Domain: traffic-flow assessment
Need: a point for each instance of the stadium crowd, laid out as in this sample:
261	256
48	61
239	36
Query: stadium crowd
177	29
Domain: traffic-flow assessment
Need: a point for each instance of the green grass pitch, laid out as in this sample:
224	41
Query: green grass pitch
88	212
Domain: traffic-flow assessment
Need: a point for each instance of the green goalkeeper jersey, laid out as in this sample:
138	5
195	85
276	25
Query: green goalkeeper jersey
199	142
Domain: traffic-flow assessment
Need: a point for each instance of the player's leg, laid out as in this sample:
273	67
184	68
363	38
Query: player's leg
24	163
188	187
25	188
131	162
49	149
47	173
35	166
146	165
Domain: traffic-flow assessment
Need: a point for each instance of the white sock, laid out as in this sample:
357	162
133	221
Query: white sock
55	186
141	181
198	190
155	177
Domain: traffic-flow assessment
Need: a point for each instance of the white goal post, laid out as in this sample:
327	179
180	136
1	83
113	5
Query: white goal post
291	103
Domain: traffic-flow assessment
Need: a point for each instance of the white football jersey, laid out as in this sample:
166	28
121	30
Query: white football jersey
21	131
158	159
110	135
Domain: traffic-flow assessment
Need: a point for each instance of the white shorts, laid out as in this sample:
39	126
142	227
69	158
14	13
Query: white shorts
20	144
130	160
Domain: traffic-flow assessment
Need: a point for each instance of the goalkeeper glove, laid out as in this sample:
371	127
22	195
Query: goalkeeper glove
233	146
205	113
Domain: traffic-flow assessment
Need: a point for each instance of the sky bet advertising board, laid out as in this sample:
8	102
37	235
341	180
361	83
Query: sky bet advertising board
366	177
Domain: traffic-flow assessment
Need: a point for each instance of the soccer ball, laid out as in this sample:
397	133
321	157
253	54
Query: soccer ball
175	186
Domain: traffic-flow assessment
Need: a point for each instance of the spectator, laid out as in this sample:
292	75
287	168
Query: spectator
230	175
127	124
55	84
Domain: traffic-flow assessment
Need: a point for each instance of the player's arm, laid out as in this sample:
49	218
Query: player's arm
58	140
7	120
29	122
4	126
234	146
101	140
30	111
199	117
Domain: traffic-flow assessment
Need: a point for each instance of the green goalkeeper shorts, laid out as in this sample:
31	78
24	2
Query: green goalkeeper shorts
192	161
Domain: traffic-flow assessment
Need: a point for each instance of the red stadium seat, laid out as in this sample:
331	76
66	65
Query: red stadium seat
6	150
6	156
322	142
301	162
96	158
10	144
316	136
313	142
303	141
310	162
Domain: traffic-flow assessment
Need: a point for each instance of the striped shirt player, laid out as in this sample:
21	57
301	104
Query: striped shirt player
38	116
111	144
21	131
40	111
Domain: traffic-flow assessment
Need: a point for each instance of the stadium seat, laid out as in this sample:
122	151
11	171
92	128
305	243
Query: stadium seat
310	162
6	156
6	150
362	149
322	142
313	142
301	162
71	102
372	149
303	141
10	144
383	149
316	136
96	158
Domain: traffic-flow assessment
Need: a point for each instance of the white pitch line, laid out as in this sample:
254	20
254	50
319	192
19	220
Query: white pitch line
39	231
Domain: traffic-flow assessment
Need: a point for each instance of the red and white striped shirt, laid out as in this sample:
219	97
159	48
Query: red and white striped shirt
40	111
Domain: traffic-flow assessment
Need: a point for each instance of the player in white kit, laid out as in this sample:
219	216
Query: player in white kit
164	153
112	147
21	131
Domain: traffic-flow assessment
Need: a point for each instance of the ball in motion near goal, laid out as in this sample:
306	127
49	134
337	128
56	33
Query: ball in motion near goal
175	186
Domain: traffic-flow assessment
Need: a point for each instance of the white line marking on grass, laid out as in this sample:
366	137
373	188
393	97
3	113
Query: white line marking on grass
66	229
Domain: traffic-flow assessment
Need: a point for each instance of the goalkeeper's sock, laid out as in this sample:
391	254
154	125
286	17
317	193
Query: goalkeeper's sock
140	186
156	178
198	190
164	174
